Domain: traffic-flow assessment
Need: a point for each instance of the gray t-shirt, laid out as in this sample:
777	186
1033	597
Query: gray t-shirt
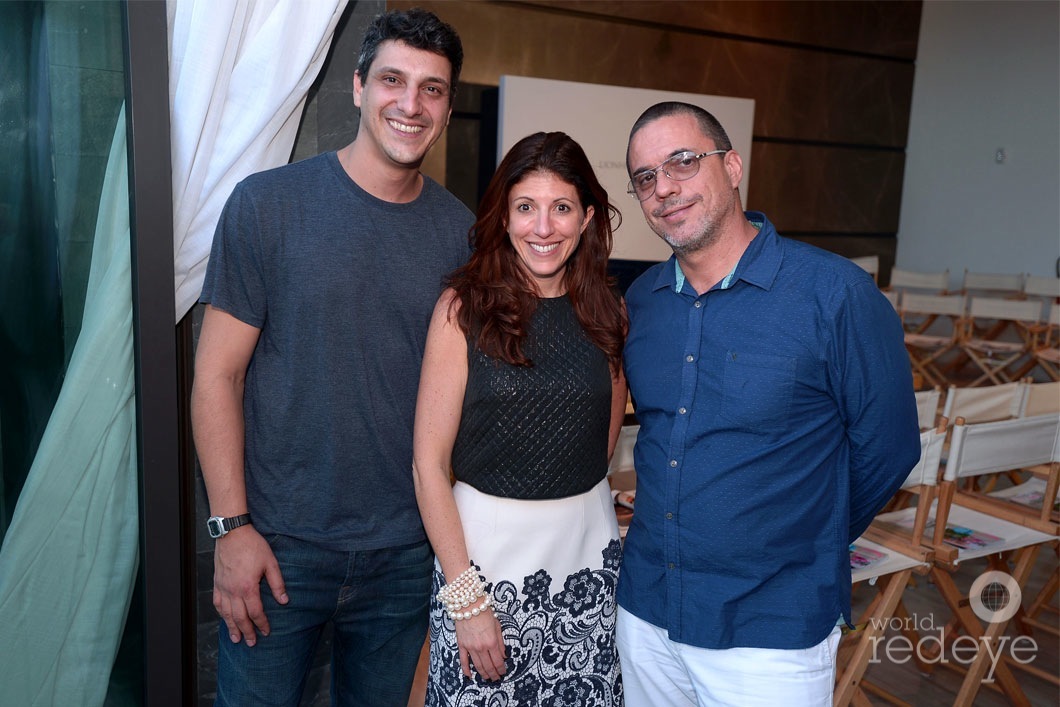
342	286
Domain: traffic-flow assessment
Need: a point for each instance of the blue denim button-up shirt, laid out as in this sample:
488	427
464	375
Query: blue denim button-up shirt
777	415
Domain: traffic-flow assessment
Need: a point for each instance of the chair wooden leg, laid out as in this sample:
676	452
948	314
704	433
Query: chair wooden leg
878	692
1040	604
986	640
970	622
874	626
925	666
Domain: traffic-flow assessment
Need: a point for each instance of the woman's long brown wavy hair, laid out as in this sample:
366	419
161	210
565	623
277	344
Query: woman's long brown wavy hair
497	296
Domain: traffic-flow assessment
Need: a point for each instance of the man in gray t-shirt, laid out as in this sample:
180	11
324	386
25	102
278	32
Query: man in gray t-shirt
320	287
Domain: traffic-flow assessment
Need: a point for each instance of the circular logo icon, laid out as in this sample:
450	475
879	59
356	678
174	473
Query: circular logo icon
995	596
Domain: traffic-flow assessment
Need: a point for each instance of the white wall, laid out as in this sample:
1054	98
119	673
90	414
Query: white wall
987	77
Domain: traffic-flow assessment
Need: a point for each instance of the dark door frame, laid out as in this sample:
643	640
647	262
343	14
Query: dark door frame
166	563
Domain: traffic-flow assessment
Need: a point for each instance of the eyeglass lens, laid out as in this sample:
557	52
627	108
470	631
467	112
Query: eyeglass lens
680	167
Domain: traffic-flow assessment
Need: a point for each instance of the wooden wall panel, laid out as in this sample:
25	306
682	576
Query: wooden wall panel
827	189
832	84
799	93
886	29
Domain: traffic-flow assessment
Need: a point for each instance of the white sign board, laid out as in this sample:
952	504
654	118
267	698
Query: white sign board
599	119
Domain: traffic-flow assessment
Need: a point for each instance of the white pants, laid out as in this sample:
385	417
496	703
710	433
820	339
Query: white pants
658	672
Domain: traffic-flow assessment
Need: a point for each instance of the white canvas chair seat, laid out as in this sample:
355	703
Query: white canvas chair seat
892	562
901	556
1030	494
1013	535
989	346
927	341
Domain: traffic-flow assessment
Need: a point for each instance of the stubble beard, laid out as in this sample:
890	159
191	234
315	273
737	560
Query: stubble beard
707	232
704	239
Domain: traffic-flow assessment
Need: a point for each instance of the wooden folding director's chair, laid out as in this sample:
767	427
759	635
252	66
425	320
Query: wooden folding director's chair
992	529
990	352
888	565
932	330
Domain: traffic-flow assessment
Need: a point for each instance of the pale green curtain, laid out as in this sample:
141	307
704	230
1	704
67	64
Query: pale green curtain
69	559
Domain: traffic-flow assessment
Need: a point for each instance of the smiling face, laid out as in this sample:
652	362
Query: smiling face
688	214
545	222
405	103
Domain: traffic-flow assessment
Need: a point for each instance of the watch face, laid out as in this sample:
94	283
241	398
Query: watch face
215	527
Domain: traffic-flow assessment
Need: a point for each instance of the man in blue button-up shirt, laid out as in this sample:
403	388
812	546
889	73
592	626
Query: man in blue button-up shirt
777	415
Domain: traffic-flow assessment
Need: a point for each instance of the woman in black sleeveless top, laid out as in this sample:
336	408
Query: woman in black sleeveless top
521	400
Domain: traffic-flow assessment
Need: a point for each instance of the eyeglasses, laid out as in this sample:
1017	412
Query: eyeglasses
682	166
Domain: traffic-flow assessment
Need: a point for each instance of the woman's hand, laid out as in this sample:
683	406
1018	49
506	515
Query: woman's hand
479	641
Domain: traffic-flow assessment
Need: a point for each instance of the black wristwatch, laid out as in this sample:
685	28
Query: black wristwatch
220	527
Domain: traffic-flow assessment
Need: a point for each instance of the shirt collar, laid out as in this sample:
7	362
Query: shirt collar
758	265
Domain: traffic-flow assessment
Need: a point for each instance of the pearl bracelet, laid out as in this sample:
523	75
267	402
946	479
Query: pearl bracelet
480	609
464	591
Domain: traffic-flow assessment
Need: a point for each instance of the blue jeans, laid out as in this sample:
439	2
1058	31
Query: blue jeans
377	603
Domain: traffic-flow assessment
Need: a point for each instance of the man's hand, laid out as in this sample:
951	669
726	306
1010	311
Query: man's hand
241	558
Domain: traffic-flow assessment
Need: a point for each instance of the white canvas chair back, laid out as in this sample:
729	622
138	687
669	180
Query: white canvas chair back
1046	289
868	263
927	407
892	297
987	404
926	471
936	282
1007	309
993	447
992	282
948	305
1040	399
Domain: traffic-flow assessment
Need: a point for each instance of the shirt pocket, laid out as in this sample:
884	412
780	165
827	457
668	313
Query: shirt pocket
757	389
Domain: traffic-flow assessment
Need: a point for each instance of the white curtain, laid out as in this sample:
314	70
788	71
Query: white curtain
69	558
239	74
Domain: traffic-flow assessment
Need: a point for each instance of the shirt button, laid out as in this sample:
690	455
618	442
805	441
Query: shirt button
673	463
669	516
690	358
671	565
698	304
682	410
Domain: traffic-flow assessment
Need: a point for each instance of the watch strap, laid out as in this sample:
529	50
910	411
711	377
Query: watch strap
234	522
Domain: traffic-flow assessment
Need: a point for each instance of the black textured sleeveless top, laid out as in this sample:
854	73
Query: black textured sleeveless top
540	432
